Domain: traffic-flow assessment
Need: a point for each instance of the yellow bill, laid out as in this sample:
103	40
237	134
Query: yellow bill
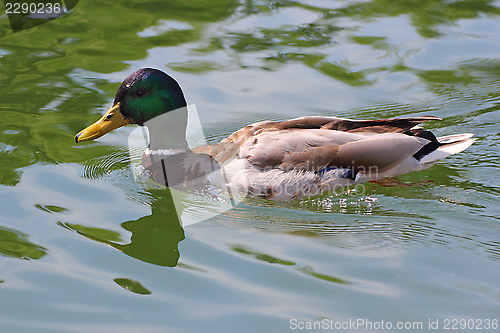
111	120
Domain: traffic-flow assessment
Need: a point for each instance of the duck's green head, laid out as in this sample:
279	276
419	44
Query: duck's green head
144	95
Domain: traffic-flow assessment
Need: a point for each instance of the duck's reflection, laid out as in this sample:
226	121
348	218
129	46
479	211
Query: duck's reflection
155	238
15	244
344	220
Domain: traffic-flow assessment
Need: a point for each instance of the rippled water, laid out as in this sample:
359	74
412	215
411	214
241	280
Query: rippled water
83	248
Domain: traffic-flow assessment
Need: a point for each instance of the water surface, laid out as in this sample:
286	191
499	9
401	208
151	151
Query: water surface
84	248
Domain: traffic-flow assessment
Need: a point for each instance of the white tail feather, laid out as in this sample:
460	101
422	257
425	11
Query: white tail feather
444	140
452	144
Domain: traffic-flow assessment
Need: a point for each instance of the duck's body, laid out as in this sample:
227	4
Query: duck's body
274	160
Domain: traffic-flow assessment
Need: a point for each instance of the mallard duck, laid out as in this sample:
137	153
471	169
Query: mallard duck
277	160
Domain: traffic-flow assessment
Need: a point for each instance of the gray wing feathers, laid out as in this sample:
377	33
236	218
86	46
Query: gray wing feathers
381	151
315	149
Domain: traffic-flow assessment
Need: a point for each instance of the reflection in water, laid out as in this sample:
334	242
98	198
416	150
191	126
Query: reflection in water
15	244
362	59
304	269
384	227
32	130
155	238
52	209
372	220
132	285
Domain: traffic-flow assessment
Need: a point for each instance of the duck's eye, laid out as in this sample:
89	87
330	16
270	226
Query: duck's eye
140	93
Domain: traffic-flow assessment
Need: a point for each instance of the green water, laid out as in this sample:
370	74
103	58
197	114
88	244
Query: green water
83	248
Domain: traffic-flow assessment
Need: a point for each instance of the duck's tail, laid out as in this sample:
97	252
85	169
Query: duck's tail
449	145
